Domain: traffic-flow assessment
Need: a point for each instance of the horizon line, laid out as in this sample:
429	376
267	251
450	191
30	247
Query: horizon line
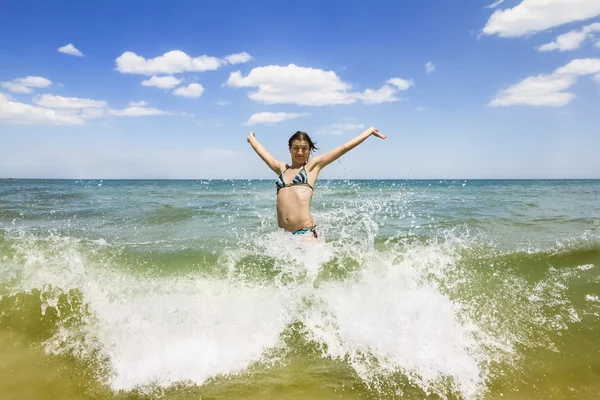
324	179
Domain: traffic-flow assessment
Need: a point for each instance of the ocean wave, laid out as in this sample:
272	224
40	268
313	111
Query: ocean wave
445	314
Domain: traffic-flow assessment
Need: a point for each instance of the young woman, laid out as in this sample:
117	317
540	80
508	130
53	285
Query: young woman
297	180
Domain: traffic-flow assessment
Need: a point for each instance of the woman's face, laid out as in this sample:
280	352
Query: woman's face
300	150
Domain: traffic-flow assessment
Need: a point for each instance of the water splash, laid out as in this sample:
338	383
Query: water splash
406	306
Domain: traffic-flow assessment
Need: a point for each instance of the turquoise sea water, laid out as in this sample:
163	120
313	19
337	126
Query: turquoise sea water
187	289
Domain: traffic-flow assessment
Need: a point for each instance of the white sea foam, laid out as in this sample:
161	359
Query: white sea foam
390	313
388	320
161	330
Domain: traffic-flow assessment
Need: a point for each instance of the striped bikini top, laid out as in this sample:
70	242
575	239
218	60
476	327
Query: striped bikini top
301	178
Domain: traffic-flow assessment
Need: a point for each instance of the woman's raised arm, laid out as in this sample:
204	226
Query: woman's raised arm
326	159
273	163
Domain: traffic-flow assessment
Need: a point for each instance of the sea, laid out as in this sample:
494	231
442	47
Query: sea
187	289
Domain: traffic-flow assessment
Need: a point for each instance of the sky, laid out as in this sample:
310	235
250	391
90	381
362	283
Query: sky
499	89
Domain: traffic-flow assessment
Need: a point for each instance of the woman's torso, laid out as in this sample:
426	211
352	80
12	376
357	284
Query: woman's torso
293	200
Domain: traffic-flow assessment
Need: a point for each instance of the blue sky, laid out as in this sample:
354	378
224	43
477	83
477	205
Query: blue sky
171	90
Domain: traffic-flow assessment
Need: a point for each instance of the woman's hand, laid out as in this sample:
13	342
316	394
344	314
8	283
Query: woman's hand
375	132
250	135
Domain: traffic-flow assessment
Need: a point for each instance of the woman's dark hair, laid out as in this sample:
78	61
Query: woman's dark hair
303	136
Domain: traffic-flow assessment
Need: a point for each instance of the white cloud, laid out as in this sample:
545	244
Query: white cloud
338	129
597	44
238	58
582	66
58	110
547	90
192	90
429	67
495	4
136	111
25	85
16	88
384	94
292	84
401	84
53	101
223	103
139	109
571	40
137	103
20	113
541	90
568	41
173	62
34	81
272	117
532	16
70	49
163	82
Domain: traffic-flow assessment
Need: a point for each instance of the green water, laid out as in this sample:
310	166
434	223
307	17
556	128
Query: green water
186	289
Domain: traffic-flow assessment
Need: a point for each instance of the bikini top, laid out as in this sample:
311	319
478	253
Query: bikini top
301	178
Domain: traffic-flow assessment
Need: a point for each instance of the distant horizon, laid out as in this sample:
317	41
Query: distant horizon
320	179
